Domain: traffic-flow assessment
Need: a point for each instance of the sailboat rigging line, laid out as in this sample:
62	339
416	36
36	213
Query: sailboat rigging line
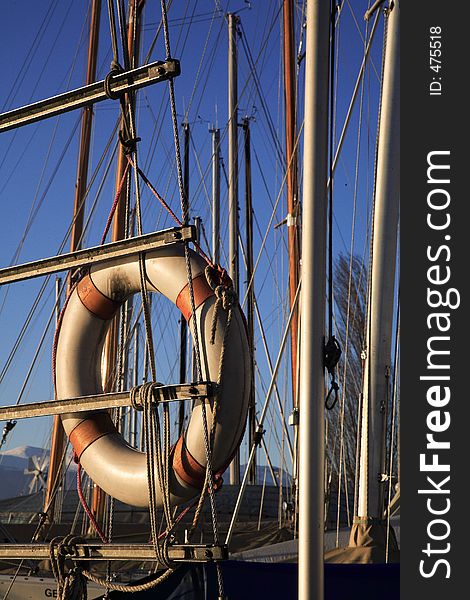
276	391
185	217
31	52
86	508
255	76
39	346
273	214
114	205
42	520
332	349
392	431
354	96
46	281
353	14
348	309
112	28
262	417
157	33
201	62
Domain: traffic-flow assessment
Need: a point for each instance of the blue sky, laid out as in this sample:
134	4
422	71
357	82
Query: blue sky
46	44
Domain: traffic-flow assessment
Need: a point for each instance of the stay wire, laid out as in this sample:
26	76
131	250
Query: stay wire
185	219
332	349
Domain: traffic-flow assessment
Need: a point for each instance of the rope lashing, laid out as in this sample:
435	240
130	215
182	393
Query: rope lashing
71	584
331	356
142	393
128	142
115	70
226	297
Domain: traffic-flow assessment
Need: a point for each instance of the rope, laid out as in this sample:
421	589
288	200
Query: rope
70	585
118	587
143	398
170	211
114	206
332	349
86	508
185	218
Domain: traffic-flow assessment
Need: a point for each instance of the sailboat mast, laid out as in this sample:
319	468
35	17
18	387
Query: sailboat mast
291	179
233	181
382	290
250	302
312	389
58	433
183	322
119	231
215	195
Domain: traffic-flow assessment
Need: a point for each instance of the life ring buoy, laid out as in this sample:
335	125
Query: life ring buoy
109	460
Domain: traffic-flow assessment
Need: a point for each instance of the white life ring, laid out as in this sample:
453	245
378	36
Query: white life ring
109	460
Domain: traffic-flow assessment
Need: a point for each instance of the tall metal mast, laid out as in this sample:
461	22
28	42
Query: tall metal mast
311	392
58	434
381	296
233	181
250	303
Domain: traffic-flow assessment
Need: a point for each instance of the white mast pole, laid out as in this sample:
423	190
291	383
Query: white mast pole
312	392
384	251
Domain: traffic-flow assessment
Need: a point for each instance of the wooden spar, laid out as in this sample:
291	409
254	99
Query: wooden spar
291	179
250	309
183	322
119	231
233	182
58	434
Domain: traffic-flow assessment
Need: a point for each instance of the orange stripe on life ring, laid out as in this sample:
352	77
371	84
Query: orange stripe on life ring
186	466
90	430
96	302
201	290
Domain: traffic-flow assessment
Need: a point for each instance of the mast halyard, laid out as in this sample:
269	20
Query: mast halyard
58	433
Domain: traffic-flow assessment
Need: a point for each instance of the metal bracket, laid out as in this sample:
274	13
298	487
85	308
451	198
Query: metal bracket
294	417
164	393
87	256
119	84
188	553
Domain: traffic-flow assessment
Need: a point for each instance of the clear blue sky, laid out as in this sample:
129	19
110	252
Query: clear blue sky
45	53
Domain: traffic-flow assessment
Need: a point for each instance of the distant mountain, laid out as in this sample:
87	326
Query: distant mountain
13	464
18	458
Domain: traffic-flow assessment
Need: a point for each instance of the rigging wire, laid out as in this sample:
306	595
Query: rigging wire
350	282
396	365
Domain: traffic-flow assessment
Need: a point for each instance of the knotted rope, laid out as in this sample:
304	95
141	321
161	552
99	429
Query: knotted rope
71	585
